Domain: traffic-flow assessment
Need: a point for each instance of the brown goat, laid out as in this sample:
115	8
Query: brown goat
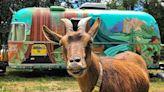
95	73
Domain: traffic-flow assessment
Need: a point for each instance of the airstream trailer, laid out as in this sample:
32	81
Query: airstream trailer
119	31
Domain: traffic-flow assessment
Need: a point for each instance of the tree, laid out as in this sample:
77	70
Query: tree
129	4
157	11
6	14
122	4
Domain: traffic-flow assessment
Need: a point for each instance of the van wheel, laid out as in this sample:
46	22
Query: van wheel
2	70
160	75
161	67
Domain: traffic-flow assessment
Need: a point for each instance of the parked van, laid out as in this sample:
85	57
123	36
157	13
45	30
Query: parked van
119	31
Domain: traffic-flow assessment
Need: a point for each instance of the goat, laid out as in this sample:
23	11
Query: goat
129	56
96	73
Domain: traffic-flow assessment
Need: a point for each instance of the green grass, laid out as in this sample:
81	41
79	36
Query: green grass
20	81
156	85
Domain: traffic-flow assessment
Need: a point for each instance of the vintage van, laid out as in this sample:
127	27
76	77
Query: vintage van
119	31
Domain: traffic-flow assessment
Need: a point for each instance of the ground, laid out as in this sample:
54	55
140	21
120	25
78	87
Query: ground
27	81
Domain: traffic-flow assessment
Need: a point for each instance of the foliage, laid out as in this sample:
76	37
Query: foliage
122	4
5	17
129	4
154	8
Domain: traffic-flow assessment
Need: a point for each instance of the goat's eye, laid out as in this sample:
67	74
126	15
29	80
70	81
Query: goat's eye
90	41
89	44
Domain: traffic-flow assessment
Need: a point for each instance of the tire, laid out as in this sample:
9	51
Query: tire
2	71
3	66
160	75
151	75
161	67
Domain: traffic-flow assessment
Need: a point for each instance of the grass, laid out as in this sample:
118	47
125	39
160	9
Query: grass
20	81
156	85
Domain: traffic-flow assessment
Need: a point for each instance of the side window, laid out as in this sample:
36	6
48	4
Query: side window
17	32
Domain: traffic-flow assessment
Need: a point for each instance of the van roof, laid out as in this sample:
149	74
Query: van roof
93	6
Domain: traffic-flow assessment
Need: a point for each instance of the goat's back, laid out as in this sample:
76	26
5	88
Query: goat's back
123	77
132	57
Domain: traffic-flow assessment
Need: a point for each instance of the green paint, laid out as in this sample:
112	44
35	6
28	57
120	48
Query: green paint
113	25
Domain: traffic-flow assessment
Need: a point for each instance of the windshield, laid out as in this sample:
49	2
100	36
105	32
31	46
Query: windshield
17	32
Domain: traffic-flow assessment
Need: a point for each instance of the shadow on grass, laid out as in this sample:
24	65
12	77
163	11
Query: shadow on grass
39	73
37	81
36	75
156	80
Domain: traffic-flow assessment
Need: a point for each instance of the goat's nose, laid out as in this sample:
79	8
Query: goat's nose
75	59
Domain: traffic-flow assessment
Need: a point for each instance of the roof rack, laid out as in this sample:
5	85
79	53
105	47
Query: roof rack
93	6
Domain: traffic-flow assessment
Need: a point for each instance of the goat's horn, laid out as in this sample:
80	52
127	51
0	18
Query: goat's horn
83	23
68	24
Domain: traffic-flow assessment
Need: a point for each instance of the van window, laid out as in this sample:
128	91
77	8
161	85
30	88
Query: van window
17	32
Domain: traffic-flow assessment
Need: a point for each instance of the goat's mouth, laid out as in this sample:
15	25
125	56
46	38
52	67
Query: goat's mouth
76	72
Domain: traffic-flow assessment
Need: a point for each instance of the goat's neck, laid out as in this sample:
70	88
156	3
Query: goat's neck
88	81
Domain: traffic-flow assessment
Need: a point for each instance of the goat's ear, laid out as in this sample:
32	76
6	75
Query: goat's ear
94	28
50	35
